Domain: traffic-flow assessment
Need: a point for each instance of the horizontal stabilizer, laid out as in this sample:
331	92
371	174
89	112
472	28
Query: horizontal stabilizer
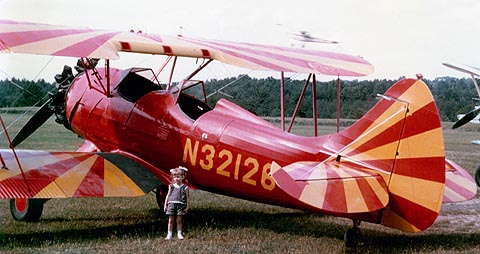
337	187
459	184
73	174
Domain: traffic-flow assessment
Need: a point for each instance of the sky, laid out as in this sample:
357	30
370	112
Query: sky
399	38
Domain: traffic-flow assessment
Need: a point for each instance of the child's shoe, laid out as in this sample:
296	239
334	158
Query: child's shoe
180	236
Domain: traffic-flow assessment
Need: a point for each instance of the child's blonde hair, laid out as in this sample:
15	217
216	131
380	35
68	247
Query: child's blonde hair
179	170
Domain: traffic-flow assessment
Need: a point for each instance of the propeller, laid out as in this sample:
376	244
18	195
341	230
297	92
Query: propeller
54	105
39	118
466	118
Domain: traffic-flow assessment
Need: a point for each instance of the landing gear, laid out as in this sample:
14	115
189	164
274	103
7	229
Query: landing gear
161	195
352	235
24	209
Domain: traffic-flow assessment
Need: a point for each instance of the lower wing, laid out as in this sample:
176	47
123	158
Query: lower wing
43	174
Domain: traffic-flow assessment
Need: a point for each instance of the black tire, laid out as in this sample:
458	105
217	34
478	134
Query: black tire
161	195
351	237
28	210
477	176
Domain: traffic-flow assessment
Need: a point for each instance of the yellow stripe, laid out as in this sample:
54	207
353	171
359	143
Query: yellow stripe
419	93
354	198
391	219
5	174
118	184
391	116
314	193
385	152
380	190
51	191
70	180
424	145
414	144
426	193
343	173
274	167
297	165
320	172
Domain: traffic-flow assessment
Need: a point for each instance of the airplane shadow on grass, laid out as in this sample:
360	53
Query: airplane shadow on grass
153	224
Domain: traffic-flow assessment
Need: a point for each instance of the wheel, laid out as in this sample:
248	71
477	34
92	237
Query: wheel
477	176
351	237
161	195
23	209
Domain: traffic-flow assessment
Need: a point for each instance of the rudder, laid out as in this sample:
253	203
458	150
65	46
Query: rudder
401	138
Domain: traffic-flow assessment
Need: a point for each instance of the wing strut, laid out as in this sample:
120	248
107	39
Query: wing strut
189	77
311	76
302	94
476	84
4	166
314	104
282	101
338	104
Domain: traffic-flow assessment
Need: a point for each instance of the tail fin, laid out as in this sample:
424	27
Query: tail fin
402	138
398	147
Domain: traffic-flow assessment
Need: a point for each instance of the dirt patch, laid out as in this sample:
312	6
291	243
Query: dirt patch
459	217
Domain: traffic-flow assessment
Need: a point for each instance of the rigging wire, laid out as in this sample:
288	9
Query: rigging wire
26	91
10	79
231	83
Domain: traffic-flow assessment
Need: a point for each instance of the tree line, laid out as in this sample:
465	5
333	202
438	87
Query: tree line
21	92
262	96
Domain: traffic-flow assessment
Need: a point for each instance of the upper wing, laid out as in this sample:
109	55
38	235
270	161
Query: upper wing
33	38
464	68
73	174
331	186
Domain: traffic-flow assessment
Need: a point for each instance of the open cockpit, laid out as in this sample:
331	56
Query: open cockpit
189	95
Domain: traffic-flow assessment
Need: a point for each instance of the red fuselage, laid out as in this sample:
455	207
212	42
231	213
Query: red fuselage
227	149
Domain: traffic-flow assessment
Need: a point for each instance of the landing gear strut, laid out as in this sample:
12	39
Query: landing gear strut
161	195
352	235
477	176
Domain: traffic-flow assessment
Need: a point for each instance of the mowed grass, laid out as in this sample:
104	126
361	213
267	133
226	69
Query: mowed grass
219	224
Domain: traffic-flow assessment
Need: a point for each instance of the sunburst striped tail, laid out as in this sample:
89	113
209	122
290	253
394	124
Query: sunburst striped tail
401	137
390	163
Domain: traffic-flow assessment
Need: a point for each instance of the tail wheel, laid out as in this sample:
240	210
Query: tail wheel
477	176
161	195
24	209
352	236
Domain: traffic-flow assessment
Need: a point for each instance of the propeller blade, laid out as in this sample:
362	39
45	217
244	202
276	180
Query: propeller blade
466	118
39	118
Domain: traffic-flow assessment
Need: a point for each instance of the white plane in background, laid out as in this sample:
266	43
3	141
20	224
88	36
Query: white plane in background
472	116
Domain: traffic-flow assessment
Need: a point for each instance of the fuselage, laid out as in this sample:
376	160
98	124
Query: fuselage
227	149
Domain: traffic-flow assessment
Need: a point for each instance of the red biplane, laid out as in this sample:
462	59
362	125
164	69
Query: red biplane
387	168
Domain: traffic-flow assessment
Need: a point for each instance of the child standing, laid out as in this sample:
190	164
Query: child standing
177	201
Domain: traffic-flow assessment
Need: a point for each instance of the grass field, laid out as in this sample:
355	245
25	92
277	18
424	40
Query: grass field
219	224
